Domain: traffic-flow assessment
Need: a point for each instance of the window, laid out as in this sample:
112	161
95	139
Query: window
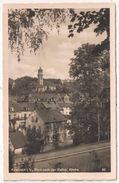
24	115
48	127
32	119
24	108
36	119
12	109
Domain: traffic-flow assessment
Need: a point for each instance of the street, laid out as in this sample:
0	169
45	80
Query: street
80	158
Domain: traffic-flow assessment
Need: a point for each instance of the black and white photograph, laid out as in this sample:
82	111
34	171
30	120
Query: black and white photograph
58	85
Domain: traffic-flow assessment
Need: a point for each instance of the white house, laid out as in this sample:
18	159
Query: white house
18	113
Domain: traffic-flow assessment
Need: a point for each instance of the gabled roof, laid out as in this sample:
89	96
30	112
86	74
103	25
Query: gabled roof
18	139
22	106
49	115
52	105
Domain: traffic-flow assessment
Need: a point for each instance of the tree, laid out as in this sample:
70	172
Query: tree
84	19
77	136
31	25
86	70
31	139
11	161
23	86
56	138
27	165
104	96
34	25
35	141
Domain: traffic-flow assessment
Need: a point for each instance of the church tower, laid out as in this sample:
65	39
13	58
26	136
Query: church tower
40	79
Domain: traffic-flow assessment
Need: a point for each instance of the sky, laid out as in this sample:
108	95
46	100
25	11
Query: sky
54	56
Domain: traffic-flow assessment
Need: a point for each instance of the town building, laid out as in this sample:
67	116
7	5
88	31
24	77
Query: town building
48	120
18	113
65	108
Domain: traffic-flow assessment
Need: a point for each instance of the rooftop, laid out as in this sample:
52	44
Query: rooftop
19	107
49	115
18	139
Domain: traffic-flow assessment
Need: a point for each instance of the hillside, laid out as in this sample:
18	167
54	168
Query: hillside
26	85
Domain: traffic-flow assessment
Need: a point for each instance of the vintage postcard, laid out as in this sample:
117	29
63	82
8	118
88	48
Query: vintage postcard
59	91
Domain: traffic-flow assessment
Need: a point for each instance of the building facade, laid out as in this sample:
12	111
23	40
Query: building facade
50	121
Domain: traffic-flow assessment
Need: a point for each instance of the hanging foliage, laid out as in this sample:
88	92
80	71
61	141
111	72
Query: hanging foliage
28	28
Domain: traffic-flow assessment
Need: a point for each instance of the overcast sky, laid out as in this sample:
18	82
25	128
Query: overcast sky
54	56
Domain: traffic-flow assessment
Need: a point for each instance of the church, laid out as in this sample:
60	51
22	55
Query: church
41	87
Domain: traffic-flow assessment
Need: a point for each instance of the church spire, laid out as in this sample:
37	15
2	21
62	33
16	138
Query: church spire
40	79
